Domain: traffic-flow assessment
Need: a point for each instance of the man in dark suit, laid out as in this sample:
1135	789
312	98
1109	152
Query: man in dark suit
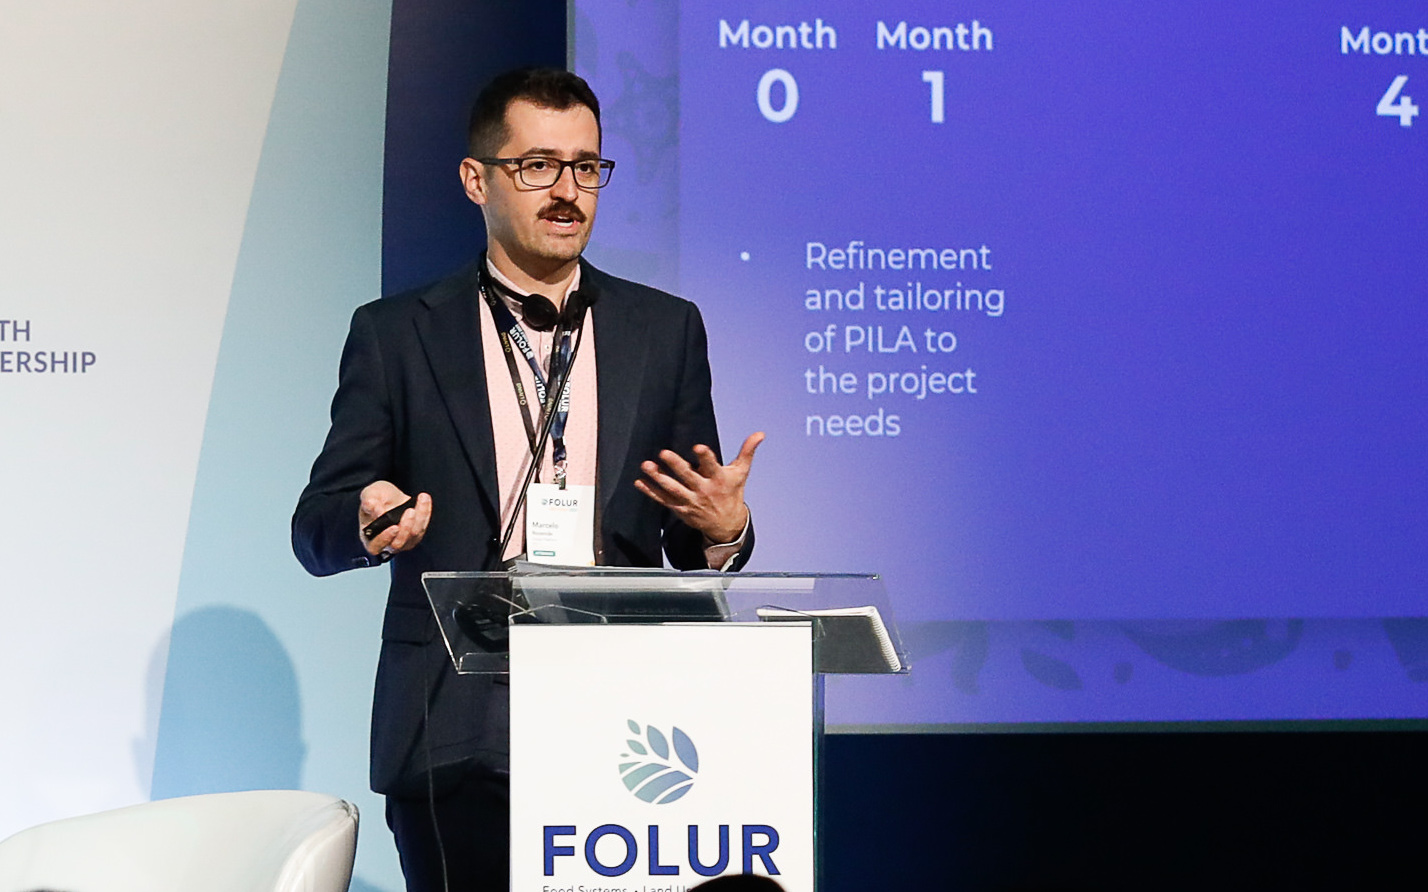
431	401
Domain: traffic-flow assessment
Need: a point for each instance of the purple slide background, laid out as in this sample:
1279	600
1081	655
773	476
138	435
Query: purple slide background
1204	397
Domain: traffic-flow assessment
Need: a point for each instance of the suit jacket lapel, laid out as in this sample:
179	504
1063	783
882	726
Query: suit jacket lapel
450	333
620	369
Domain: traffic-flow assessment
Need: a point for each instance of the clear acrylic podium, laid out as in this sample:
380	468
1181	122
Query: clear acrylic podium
665	726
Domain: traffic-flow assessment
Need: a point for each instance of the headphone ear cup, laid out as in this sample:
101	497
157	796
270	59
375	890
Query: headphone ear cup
575	306
540	313
572	311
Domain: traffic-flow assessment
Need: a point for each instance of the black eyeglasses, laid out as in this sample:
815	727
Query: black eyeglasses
540	172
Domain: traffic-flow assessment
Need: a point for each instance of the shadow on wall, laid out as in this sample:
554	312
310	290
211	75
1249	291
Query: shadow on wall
230	715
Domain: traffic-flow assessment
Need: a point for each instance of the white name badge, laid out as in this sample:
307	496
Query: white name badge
560	525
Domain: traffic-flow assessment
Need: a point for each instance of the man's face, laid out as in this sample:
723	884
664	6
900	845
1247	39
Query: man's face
537	230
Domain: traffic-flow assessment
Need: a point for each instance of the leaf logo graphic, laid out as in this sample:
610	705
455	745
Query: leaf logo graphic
647	769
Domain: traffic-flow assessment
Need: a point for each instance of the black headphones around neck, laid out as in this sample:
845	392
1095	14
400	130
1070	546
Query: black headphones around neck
539	311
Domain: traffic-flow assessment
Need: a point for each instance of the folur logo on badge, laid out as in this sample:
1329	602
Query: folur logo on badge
651	775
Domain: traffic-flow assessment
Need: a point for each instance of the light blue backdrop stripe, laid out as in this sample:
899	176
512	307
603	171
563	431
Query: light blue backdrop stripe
269	671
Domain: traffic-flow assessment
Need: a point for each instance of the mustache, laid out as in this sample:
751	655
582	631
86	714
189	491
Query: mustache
562	209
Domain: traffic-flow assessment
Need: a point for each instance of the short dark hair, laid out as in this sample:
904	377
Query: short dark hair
553	88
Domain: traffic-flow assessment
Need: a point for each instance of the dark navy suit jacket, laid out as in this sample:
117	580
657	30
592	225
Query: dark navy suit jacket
412	408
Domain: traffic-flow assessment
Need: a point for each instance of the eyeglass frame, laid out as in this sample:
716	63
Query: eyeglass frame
602	164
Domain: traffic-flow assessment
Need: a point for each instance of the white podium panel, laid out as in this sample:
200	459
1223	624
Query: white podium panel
649	758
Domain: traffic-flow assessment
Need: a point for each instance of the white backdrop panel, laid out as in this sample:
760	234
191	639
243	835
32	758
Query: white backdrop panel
129	139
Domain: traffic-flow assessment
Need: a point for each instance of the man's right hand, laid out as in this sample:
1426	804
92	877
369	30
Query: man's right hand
379	498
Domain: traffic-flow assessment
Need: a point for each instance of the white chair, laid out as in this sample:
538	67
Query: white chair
261	841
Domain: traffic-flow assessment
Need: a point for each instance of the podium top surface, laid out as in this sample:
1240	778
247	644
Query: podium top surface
850	611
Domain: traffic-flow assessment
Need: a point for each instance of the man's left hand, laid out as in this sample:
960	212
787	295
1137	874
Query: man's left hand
707	496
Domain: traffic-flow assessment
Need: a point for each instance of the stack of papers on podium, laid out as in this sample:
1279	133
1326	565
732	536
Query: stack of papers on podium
846	640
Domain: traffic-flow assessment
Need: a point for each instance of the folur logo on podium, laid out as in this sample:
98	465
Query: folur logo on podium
659	770
646	768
